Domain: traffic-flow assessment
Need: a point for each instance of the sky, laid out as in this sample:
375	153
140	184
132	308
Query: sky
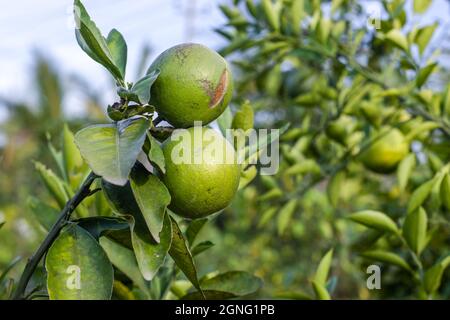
48	26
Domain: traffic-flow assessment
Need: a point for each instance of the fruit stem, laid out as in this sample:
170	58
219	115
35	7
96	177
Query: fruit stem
64	216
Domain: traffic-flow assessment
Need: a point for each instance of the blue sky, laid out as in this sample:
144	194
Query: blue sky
48	26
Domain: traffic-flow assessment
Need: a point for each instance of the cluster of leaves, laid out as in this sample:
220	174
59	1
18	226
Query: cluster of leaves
338	79
115	243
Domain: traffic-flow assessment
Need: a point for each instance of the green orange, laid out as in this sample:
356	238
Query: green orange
194	84
202	174
389	147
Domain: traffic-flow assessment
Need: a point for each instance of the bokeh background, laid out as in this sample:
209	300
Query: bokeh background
46	80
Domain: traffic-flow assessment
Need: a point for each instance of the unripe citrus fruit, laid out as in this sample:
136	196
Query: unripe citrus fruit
202	174
195	84
388	149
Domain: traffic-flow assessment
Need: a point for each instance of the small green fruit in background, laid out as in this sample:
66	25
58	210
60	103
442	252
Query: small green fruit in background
388	149
200	188
195	84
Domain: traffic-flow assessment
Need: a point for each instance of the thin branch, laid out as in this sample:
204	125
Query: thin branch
64	216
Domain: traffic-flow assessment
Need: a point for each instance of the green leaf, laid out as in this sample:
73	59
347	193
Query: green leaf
320	291
152	198
433	276
230	284
254	149
225	121
247	176
143	86
111	150
425	73
424	36
92	42
195	226
419	195
45	214
415	230
124	260
150	255
420	6
53	184
118	49
102	226
201	247
70	153
387	257
156	154
267	216
285	215
180	253
243	119
445	191
120	198
77	267
208	295
404	170
375	220
323	269
271	14
334	188
397	38
8	268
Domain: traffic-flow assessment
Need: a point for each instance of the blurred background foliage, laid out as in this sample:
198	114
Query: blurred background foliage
336	78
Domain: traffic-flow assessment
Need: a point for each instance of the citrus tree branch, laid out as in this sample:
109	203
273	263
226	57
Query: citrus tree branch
64	216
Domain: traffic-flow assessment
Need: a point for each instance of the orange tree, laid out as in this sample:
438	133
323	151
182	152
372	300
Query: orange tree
116	207
364	166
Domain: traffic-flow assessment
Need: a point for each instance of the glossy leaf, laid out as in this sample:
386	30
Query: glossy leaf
180	253
445	191
396	37
152	198
124	260
433	276
201	247
247	176
425	73
78	268
323	269
424	36
102	226
415	230
156	155
243	119
70	153
320	291
92	42
143	86
230	284
46	215
194	228
118	49
387	257
420	6
225	121
375	220
419	195
53	184
334	188
285	215
404	170
150	255
111	150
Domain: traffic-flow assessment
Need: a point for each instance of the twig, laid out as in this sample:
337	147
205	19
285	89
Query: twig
64	216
